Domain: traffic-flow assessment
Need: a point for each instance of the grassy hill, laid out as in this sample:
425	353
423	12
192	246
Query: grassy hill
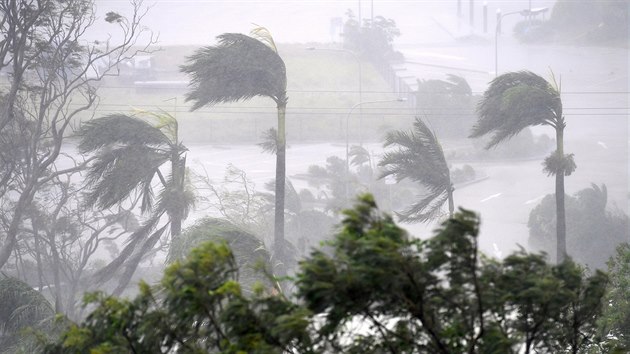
322	87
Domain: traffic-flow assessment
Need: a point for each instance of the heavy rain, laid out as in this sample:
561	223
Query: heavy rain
314	176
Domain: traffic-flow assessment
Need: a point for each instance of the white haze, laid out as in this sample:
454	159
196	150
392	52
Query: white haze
594	84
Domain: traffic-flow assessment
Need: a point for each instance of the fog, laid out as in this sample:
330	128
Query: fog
341	104
434	43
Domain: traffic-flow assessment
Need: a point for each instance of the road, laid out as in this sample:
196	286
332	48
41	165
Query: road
504	200
594	85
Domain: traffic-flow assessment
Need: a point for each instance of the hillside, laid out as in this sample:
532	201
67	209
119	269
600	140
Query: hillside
322	87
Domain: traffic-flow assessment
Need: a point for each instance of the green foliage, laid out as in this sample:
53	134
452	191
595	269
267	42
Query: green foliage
252	259
197	308
377	290
616	319
594	232
419	157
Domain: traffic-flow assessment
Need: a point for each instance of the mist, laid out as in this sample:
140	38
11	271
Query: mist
359	75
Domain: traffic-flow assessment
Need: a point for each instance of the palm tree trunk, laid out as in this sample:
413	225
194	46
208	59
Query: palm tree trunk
561	247
278	234
175	216
451	203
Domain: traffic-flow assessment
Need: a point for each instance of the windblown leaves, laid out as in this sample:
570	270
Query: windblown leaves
513	102
420	158
238	68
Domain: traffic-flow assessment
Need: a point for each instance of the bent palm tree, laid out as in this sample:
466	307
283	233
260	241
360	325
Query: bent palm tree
241	67
420	158
129	154
518	100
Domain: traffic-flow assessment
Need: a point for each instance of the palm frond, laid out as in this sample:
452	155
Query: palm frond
418	156
359	155
555	164
165	122
262	34
595	198
115	174
132	263
21	306
513	102
136	238
118	129
427	209
239	67
177	199
270	141
459	85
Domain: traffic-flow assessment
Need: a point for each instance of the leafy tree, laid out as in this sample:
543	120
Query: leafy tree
595	232
420	158
615	321
447	104
129	154
373	39
238	68
51	83
515	101
22	307
197	308
375	290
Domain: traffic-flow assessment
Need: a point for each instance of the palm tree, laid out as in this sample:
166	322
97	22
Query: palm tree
21	307
420	158
241	67
515	101
130	153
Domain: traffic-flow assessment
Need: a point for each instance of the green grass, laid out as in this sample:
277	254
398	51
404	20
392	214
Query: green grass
322	87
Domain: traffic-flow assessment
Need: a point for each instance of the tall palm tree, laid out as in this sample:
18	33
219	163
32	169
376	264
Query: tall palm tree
517	100
420	158
130	153
241	67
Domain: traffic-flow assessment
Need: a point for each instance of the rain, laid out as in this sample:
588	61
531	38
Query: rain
163	124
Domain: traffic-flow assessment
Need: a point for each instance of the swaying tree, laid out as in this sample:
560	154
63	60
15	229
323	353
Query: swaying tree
420	158
129	154
374	289
52	81
515	101
241	67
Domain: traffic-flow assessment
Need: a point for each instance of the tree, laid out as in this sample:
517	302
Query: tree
595	230
129	154
21	307
375	290
250	255
420	158
238	68
373	38
515	101
437	100
52	83
615	321
197	308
